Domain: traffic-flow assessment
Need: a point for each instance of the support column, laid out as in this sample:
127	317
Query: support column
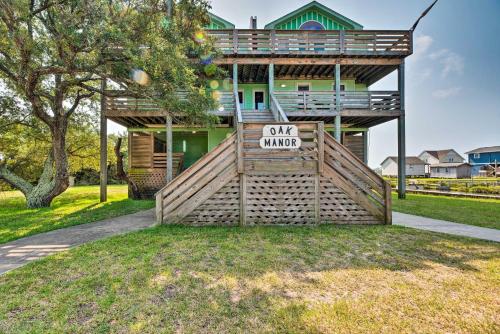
365	146
103	164
271	79
337	103
169	148
235	79
401	134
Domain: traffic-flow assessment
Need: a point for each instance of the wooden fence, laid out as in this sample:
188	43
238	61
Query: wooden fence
239	183
306	42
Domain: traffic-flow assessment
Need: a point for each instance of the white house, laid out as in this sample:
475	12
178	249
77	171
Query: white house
415	167
459	170
445	164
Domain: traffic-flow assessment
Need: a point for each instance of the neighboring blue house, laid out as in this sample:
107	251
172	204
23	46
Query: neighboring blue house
484	160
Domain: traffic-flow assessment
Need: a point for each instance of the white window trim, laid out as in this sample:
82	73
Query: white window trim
253	97
303	84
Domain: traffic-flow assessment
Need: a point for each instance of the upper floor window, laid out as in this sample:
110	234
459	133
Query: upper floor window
342	87
304	87
312	25
477	155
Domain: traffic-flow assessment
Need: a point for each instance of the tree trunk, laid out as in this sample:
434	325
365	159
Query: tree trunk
120	172
55	177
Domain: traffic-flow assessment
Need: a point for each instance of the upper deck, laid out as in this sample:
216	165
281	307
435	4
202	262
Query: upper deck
313	43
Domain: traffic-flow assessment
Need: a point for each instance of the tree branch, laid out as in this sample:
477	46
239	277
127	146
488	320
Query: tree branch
14	180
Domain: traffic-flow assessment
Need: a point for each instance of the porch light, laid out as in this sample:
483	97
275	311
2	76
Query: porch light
221	108
282	85
193	132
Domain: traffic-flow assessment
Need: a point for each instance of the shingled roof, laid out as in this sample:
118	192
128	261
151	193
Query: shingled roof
409	160
440	153
487	149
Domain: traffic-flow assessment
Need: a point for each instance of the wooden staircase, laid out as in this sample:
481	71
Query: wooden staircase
257	116
239	183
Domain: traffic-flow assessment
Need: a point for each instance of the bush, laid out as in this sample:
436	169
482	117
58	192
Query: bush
493	190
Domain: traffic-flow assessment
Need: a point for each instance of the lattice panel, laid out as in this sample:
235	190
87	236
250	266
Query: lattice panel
149	181
338	208
284	199
222	208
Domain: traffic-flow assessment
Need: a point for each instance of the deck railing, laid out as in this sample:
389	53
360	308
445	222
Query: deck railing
126	105
322	102
307	42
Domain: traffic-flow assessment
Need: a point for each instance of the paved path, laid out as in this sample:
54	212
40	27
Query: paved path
17	253
442	226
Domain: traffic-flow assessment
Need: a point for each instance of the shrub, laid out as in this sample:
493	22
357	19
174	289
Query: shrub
494	190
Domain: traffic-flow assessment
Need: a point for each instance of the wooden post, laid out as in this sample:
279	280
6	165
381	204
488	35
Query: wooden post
235	78
169	148
243	199
401	134
317	197
103	165
388	203
337	103
271	79
365	146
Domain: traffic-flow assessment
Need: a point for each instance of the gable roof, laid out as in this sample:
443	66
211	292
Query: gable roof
220	21
439	154
409	160
450	165
487	149
321	7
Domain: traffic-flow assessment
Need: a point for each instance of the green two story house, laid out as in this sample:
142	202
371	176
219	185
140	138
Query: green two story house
312	69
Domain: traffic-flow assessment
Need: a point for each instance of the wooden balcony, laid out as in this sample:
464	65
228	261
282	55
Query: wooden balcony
377	106
132	112
363	43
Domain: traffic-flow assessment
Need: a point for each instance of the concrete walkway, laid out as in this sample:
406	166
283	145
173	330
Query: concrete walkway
17	253
442	226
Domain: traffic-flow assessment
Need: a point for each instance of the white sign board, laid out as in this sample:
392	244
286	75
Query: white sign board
280	137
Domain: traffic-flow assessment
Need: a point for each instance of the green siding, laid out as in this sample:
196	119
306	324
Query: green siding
196	145
295	22
217	135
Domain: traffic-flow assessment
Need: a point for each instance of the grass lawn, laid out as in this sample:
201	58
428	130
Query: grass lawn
479	212
329	279
78	205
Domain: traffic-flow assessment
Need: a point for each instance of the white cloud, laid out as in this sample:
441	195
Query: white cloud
445	93
422	44
452	62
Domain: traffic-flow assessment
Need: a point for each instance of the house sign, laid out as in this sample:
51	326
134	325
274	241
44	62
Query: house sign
280	137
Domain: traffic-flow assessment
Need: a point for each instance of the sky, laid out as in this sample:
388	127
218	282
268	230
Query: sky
452	79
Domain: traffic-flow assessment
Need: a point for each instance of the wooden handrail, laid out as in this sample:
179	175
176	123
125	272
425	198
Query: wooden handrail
372	184
335	42
239	117
278	113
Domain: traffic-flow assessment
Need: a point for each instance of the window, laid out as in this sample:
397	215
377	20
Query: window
477	155
241	99
312	25
303	87
342	87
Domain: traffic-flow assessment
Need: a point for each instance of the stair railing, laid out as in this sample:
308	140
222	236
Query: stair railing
238	116
278	113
